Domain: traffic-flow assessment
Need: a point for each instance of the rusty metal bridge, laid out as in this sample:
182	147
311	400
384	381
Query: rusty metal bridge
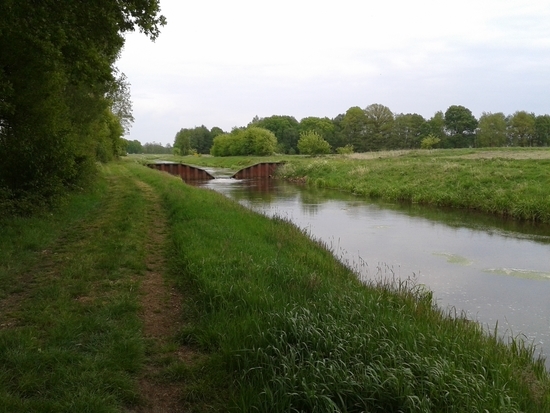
192	173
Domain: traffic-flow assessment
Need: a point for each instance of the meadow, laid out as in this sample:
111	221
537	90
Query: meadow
266	320
508	182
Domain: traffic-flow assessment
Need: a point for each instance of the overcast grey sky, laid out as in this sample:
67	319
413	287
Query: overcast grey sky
220	63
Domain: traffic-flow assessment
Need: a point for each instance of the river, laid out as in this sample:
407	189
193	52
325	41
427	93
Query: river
488	268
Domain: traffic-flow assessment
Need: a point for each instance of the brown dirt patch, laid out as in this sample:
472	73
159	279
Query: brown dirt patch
161	315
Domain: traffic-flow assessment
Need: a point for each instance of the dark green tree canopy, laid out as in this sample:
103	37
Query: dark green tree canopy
285	128
460	125
491	130
250	141
59	88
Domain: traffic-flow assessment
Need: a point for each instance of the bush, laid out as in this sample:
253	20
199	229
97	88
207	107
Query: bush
250	141
345	150
429	142
311	143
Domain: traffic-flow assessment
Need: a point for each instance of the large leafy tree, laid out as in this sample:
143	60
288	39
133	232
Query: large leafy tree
542	130
250	141
379	126
460	125
521	129
322	126
285	128
58	89
408	131
354	126
491	130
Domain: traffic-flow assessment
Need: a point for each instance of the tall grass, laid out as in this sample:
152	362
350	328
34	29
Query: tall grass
289	328
516	188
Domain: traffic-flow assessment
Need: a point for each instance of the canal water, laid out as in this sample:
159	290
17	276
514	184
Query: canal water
490	269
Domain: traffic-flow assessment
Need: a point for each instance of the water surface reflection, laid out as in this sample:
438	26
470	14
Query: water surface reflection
490	268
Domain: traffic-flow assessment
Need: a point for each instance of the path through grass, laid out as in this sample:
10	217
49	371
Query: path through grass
85	313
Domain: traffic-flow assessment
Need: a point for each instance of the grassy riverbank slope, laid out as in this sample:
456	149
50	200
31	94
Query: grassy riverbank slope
266	319
511	182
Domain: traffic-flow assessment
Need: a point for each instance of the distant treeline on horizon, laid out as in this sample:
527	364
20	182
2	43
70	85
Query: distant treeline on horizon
376	128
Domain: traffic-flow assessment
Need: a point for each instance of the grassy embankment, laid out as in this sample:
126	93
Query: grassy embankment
511	182
279	323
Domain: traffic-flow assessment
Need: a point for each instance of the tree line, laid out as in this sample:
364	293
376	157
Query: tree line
63	103
376	128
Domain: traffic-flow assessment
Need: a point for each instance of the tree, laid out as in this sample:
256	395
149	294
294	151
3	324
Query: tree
323	126
241	142
408	131
354	126
521	129
379	125
285	128
491	130
57	84
121	103
311	143
182	142
542	130
436	127
460	125
134	146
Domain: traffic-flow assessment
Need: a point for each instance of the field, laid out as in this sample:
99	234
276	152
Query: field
147	294
509	182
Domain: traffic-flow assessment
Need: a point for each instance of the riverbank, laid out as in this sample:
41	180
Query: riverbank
508	182
267	319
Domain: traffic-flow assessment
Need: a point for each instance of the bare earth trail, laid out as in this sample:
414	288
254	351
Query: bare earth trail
160	312
79	249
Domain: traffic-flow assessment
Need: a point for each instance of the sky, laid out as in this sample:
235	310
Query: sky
221	63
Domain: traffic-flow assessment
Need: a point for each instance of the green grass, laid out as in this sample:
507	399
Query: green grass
274	321
71	337
288	328
508	182
516	188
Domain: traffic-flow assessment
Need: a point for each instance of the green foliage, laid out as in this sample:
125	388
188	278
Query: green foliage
311	143
516	188
157	148
379	124
461	126
429	142
521	128
345	150
542	130
134	147
492	130
57	83
182	142
291	329
408	131
199	139
241	142
285	128
353	127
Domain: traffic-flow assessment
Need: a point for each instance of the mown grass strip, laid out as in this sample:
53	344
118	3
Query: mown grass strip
71	339
289	328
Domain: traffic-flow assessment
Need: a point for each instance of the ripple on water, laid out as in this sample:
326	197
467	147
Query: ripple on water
520	273
454	258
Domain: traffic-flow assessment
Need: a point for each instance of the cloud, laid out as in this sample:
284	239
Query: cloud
220	63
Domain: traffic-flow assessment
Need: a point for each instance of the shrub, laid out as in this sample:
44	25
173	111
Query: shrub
429	142
311	143
250	141
345	150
